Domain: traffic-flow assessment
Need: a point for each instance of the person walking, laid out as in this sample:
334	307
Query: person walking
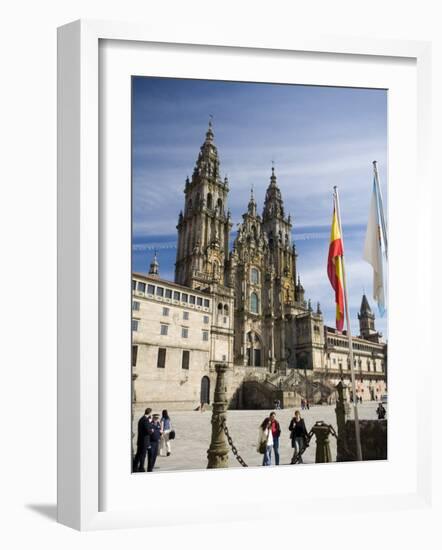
166	427
298	434
381	412
265	442
155	436
276	432
143	441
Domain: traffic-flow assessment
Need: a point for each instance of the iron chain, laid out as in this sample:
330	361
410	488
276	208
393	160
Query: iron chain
238	457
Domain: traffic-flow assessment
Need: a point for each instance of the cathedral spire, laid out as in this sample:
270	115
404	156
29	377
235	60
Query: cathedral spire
252	203
154	268
273	206
204	225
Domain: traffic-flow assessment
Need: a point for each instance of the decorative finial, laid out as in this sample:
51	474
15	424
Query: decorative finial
209	133
310	305
318	309
273	177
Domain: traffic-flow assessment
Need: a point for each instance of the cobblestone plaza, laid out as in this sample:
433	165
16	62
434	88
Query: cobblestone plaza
193	431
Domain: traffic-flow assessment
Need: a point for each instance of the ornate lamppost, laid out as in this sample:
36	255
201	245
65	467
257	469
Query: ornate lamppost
218	453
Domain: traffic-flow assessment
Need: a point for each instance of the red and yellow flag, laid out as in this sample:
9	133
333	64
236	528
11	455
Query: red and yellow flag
334	269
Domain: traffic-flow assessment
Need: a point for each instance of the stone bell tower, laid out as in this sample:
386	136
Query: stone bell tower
282	257
366	322
204	225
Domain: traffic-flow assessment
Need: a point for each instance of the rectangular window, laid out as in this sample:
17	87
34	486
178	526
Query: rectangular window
185	360
206	319
151	289
184	332
206	303
165	312
164	329
205	335
176	295
161	360
191	299
135	306
134	284
141	287
160	291
186	315
134	355
184	297
134	325
199	301
168	293
225	320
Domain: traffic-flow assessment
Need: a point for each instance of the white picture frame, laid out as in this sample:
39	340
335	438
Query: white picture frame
81	472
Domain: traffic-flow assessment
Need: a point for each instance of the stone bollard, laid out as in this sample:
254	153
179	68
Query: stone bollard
322	431
218	453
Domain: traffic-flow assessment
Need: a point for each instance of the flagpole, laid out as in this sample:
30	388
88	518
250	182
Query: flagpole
350	341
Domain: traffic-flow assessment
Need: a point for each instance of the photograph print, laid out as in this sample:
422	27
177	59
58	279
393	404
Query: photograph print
259	274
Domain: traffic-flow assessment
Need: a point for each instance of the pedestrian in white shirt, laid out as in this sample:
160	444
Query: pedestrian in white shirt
265	442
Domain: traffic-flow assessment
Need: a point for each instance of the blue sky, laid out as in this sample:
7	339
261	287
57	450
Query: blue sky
317	137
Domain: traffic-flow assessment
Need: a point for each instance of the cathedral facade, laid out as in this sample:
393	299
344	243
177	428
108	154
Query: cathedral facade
253	313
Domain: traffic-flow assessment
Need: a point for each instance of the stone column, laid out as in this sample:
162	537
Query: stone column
218	453
244	344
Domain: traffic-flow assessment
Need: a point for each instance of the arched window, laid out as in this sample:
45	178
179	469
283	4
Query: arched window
254	276
254	303
220	308
220	205
226	309
209	200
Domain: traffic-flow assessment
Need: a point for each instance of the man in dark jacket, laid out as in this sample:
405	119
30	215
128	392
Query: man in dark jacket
381	412
276	432
155	436
143	441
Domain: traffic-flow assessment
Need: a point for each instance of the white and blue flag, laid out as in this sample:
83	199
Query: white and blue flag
376	244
